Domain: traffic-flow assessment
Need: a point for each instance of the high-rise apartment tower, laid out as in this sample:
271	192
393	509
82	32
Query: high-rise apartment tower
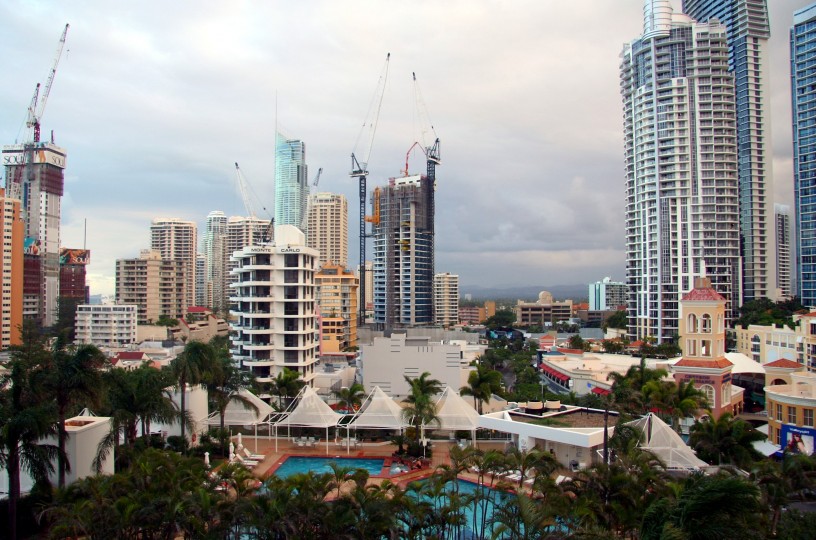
748	30
446	299
176	239
682	207
11	271
327	228
784	268
215	246
803	91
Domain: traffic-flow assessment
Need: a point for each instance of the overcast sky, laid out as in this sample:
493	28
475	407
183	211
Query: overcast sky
155	100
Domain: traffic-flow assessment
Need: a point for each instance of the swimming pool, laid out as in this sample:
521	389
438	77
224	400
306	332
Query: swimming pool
320	465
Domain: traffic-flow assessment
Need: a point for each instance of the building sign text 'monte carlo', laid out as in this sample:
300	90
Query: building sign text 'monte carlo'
290	250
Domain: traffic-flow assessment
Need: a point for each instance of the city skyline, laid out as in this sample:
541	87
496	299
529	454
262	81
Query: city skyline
153	113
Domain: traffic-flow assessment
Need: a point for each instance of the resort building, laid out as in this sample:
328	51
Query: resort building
243	232
110	326
543	312
176	240
682	194
274	311
766	344
446	299
336	295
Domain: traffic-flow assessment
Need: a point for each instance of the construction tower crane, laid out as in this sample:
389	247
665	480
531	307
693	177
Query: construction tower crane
244	187
304	219
37	106
359	170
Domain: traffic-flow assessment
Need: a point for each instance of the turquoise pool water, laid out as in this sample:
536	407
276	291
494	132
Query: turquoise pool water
320	465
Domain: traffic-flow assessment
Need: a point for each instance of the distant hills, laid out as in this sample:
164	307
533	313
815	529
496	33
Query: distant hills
525	292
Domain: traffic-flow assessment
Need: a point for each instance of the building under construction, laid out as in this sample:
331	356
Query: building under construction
34	175
403	232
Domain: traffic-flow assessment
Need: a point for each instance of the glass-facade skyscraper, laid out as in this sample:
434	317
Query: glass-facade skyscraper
682	206
291	184
746	22
803	90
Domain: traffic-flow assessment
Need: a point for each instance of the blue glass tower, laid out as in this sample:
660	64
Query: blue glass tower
291	184
803	90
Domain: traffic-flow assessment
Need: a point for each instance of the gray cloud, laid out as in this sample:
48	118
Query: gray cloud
155	101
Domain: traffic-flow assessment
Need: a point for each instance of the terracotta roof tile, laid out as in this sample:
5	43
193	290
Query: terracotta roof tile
130	355
700	363
784	363
705	295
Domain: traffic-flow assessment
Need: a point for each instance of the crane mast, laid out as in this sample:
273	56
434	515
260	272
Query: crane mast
37	107
359	170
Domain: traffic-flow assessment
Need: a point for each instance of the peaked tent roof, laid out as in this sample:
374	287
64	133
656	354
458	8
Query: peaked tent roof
379	411
238	415
310	411
661	440
455	413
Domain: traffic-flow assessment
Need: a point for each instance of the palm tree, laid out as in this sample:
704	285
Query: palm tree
725	440
350	398
192	367
287	384
483	382
224	387
674	401
706	507
27	415
421	409
72	376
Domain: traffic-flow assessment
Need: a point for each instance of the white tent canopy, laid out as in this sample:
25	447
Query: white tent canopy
662	441
237	414
379	412
309	411
455	413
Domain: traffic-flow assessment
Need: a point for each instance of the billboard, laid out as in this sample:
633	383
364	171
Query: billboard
31	245
74	256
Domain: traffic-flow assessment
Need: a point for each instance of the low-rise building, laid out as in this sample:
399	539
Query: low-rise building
543	312
111	326
790	412
388	360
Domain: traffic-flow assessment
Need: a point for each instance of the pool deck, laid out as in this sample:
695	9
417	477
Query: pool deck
286	447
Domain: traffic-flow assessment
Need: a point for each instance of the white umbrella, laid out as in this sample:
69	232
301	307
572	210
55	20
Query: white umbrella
232	449
207	459
240	440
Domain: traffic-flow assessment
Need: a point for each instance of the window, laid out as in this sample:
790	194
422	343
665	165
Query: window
708	390
779	412
726	394
808	417
705	326
692	323
791	415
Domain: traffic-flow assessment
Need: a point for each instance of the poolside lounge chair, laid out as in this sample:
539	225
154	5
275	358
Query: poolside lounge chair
246	462
250	455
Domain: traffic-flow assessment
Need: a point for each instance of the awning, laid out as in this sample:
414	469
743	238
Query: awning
554	373
765	448
600	391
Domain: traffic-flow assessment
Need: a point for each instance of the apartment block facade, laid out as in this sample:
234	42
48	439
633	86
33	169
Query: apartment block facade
446	299
111	326
682	194
156	285
274	310
327	228
336	295
11	271
177	240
